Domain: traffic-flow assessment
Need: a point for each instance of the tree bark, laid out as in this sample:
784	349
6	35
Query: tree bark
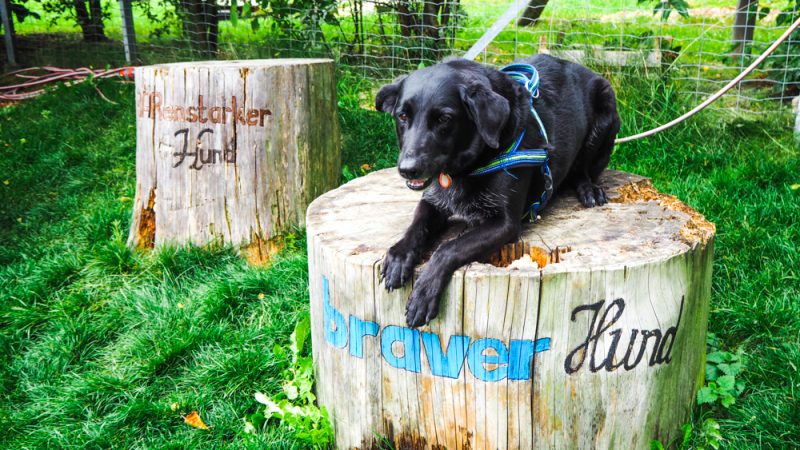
532	13
430	18
744	24
96	20
598	344
406	18
90	20
232	152
201	24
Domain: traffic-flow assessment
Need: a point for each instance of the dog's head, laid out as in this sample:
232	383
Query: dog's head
447	117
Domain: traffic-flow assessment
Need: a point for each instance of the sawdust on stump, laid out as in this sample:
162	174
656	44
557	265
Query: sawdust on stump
697	229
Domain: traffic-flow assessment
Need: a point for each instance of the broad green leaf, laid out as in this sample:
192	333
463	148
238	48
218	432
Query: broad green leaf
730	369
682	7
245	9
656	445
291	391
234	13
726	382
706	395
728	400
299	336
718	357
687	434
712	373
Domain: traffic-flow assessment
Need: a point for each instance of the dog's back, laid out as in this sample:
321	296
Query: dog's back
579	111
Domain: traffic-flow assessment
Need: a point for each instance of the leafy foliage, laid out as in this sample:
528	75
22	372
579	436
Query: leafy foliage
722	369
295	406
785	68
665	7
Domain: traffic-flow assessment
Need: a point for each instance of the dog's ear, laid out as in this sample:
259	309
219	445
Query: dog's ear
488	109
387	96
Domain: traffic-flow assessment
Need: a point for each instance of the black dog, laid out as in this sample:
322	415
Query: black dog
457	116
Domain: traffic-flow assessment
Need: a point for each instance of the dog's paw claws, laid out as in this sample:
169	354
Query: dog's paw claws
591	195
397	268
422	306
600	195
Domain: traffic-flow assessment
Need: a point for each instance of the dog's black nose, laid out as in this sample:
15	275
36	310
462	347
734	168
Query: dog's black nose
408	171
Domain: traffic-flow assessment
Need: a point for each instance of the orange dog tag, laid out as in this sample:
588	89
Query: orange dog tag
444	180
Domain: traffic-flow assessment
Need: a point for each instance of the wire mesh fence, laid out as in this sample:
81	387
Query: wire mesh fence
697	46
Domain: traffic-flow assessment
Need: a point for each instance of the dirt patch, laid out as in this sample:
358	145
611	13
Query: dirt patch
697	230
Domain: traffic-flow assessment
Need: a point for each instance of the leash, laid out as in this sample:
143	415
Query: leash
518	6
719	93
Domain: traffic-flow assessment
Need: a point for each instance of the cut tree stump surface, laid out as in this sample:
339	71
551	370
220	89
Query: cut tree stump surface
232	151
600	343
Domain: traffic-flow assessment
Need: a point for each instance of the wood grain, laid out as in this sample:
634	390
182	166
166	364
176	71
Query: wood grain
602	348
262	144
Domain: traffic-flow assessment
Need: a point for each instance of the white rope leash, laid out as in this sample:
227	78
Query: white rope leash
516	7
719	93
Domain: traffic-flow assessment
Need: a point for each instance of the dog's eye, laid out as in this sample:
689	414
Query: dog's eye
402	117
444	119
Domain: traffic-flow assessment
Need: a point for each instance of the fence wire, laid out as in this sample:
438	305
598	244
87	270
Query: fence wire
383	39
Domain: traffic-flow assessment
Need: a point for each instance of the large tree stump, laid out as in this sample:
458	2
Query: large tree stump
601	344
232	151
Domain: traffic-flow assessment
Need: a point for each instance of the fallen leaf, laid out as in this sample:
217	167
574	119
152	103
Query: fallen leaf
193	419
261	296
365	166
174	406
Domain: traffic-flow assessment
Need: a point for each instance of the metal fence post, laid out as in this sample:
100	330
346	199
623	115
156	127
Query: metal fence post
8	32
128	32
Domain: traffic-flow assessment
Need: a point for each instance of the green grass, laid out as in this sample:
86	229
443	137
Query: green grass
101	346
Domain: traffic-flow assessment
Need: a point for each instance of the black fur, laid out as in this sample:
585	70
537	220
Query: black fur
457	116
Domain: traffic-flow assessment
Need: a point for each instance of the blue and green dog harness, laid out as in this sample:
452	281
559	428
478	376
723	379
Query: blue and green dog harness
527	76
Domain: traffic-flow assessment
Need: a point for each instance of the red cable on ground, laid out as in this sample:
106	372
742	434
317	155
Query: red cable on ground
37	78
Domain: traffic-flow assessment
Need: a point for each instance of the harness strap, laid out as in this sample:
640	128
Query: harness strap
528	76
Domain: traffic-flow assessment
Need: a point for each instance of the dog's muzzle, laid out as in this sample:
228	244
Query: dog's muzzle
418	184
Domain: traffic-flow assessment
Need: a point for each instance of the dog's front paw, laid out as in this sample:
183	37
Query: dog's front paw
398	267
423	305
591	195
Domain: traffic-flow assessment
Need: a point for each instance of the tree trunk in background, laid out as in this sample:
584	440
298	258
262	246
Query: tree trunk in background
744	24
405	18
532	13
201	25
430	19
90	20
96	20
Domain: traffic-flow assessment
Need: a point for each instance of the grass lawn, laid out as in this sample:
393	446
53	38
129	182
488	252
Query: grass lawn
104	347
